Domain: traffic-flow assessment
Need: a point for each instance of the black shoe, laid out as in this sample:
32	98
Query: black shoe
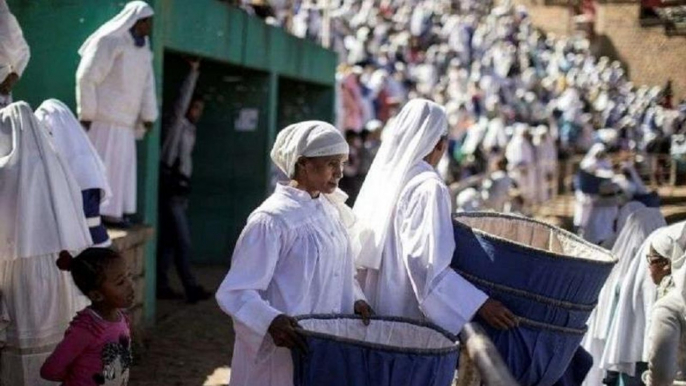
168	294
196	294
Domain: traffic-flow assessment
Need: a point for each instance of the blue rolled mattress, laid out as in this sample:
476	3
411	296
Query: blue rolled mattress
548	277
391	351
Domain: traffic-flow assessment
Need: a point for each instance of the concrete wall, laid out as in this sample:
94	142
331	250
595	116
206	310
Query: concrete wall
651	56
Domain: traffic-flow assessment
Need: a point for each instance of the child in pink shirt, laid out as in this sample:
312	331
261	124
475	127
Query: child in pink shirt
96	349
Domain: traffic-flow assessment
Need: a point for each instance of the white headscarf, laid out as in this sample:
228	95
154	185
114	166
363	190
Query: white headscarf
591	163
306	139
413	135
118	25
667	246
40	201
73	145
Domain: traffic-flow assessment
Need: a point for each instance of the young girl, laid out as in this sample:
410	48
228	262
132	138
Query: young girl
96	349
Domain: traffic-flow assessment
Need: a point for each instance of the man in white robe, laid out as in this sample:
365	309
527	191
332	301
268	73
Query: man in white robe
115	94
293	257
404	233
14	53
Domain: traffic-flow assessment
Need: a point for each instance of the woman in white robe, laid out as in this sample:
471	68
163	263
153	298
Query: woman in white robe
667	336
639	225
41	212
626	341
588	205
405	232
293	257
72	143
521	162
115	94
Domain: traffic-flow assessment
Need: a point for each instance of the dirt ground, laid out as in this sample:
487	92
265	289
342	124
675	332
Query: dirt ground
190	345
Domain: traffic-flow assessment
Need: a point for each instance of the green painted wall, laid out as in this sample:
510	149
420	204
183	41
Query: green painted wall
272	64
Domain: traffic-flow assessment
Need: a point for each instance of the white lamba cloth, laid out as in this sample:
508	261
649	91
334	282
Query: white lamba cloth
626	341
633	232
416	130
115	79
73	144
40	200
41	208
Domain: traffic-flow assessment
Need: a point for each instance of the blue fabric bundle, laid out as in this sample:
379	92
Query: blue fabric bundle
91	209
548	277
391	351
588	183
651	200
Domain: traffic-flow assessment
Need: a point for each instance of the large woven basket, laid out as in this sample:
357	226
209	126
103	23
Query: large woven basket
548	277
342	351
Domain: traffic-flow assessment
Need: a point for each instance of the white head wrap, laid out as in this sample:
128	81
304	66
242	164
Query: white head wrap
414	133
118	25
306	139
40	201
73	145
666	246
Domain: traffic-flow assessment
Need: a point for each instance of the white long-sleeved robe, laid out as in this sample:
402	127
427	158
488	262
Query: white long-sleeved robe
116	92
667	341
293	257
415	279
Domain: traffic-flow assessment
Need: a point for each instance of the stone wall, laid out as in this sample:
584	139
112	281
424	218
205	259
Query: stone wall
131	244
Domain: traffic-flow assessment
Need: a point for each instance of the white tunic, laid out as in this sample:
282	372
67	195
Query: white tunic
116	91
116	84
415	279
667	353
293	257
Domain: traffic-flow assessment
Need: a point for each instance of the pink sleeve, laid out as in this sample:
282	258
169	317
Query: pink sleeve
58	364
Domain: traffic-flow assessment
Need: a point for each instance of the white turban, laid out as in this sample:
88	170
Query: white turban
412	135
306	139
118	25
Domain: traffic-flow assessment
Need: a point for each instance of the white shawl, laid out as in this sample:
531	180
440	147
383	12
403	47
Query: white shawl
40	201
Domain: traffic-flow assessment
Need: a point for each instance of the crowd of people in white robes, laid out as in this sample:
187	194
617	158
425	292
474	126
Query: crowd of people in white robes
509	90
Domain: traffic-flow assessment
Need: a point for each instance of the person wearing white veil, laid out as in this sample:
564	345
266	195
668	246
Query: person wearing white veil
404	235
627	344
293	257
41	212
667	335
594	162
632	235
72	143
14	53
115	94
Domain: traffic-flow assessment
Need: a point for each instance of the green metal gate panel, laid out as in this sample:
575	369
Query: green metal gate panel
227	181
